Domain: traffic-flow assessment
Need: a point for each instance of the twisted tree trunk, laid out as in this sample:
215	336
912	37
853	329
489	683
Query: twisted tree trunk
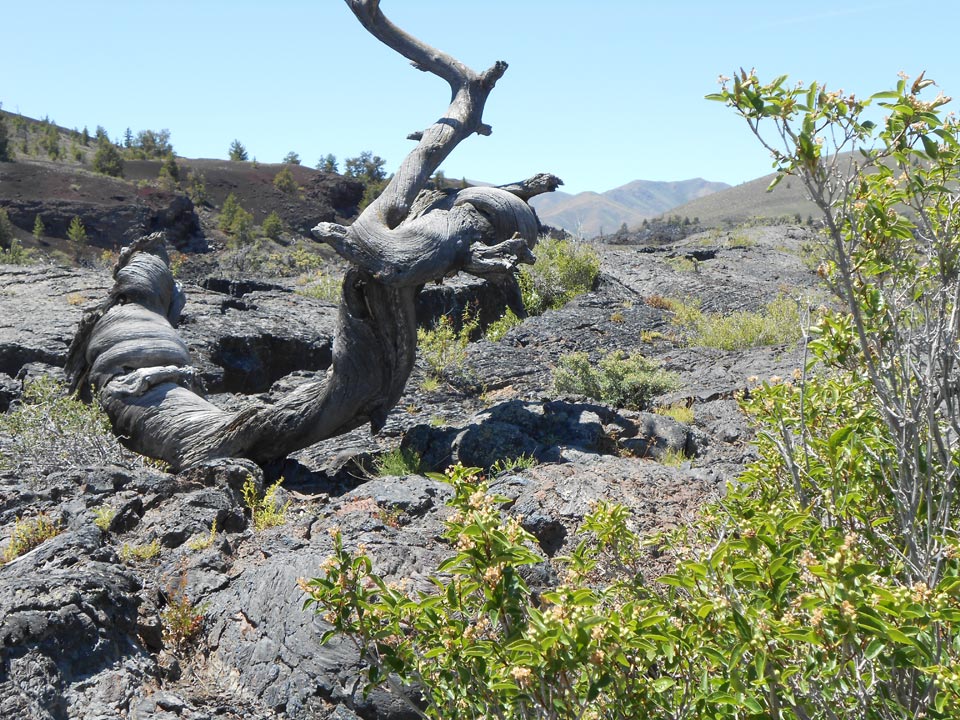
128	353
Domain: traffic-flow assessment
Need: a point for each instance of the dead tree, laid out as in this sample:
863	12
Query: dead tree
128	353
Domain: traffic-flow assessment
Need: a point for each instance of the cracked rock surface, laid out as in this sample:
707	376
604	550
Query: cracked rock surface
81	628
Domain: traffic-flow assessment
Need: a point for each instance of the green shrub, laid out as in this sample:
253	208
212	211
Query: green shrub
265	511
499	328
182	619
12	251
826	583
107	159
16	254
563	270
28	534
444	348
140	553
627	381
49	430
397	462
236	222
228	212
777	324
197	188
322	286
103	516
284	182
204	541
509	464
169	175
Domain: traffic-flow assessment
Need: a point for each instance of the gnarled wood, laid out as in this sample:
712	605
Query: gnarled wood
129	354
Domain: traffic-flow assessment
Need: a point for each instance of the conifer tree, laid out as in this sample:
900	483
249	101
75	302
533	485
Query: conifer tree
77	237
238	152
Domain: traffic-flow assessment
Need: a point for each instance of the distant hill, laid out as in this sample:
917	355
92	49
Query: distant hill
750	200
590	213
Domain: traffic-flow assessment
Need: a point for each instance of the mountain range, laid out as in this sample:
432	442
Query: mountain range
589	214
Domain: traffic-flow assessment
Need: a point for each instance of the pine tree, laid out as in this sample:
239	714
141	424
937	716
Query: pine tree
77	237
328	163
238	152
291	158
169	170
272	226
38	227
6	230
229	212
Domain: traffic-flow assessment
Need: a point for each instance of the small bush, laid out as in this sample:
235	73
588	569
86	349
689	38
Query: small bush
397	463
683	264
16	254
444	348
28	534
103	516
563	270
649	336
140	553
659	302
674	457
204	541
107	160
265	512
322	286
627	381
284	182
520	462
49	430
777	324
182	619
499	328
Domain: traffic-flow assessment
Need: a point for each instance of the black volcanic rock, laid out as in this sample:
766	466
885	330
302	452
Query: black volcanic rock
81	633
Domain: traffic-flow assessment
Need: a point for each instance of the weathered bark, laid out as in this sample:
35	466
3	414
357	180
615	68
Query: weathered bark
128	353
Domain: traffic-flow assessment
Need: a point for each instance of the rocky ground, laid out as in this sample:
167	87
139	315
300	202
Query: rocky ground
80	629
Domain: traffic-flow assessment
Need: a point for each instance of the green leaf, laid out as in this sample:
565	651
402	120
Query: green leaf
838	438
752	705
663	683
930	147
875	647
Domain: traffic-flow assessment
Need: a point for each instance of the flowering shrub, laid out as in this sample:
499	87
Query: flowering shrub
826	584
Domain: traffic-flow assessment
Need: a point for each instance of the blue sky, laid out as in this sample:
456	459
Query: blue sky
599	92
